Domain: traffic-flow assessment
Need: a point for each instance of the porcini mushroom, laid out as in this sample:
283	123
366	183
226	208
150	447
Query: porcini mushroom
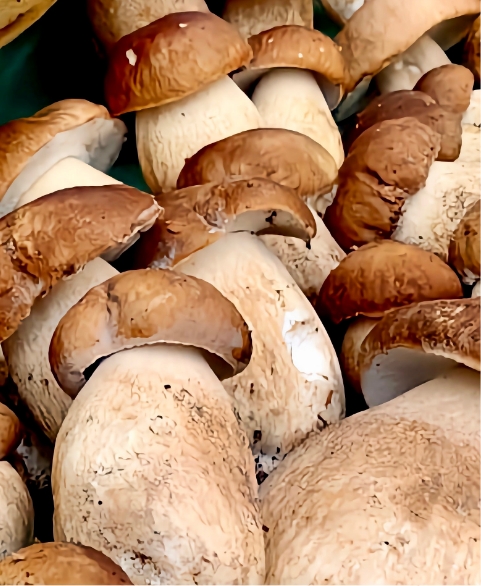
16	16
464	247
10	431
173	73
166	339
472	50
60	563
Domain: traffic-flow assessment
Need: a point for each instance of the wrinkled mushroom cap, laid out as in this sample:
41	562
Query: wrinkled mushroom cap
56	235
144	307
383	275
450	86
16	16
464	247
170	59
60	563
472	49
10	431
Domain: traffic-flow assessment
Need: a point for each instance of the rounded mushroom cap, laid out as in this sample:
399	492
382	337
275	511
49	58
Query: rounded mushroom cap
10	431
450	86
464	248
286	157
170	59
472	49
60	563
17	16
383	275
139	308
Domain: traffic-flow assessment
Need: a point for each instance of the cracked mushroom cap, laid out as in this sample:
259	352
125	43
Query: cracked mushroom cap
69	128
472	49
60	563
56	235
389	162
286	157
197	216
450	86
417	343
382	29
150	306
10	431
170	59
464	247
384	275
17	15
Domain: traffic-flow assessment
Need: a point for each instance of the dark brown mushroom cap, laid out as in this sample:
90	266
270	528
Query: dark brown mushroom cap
170	59
472	49
286	157
407	103
56	235
450	86
60	563
386	164
464	247
143	307
10	431
384	275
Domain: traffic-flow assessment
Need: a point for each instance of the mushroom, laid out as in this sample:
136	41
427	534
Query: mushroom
60	563
471	50
450	86
340	11
173	73
251	18
293	383
10	431
151	452
59	139
16	16
54	237
464	247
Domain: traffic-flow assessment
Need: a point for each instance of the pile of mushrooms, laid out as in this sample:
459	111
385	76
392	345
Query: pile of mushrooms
181	362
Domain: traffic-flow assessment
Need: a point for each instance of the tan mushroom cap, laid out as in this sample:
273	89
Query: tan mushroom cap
20	139
450	86
383	275
144	307
56	235
464	248
382	29
472	50
386	164
10	431
197	216
286	157
17	16
60	563
170	59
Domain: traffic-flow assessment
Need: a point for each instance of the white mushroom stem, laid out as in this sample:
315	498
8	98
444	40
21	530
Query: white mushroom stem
476	292
407	68
152	456
292	99
168	135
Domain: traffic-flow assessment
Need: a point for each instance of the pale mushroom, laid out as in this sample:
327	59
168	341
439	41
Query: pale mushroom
173	73
17	15
464	247
151	466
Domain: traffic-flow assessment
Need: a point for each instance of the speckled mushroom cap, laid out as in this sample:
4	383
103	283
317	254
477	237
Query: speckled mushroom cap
450	86
383	275
17	15
10	431
464	247
382	29
286	157
56	235
144	307
170	59
386	164
60	563
472	49
22	139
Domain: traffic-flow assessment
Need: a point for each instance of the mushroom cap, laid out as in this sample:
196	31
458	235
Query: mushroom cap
386	164
144	307
464	247
472	49
60	563
17	16
22	139
383	275
450	86
197	216
382	29
56	235
286	157
351	347
170	59
10	431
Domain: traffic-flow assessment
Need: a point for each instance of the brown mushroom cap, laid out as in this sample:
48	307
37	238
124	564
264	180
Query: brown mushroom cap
383	275
10	431
386	164
197	216
286	157
143	307
449	85
382	29
17	16
464	247
170	59
472	50
60	563
56	235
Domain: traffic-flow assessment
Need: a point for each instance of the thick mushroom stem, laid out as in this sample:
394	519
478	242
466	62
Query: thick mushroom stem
407	68
476	292
292	99
151	424
168	135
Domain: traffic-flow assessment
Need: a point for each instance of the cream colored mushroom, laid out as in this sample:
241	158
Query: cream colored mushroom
17	15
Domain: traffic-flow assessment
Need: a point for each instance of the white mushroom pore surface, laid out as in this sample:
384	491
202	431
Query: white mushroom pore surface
293	382
152	469
168	135
292	99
